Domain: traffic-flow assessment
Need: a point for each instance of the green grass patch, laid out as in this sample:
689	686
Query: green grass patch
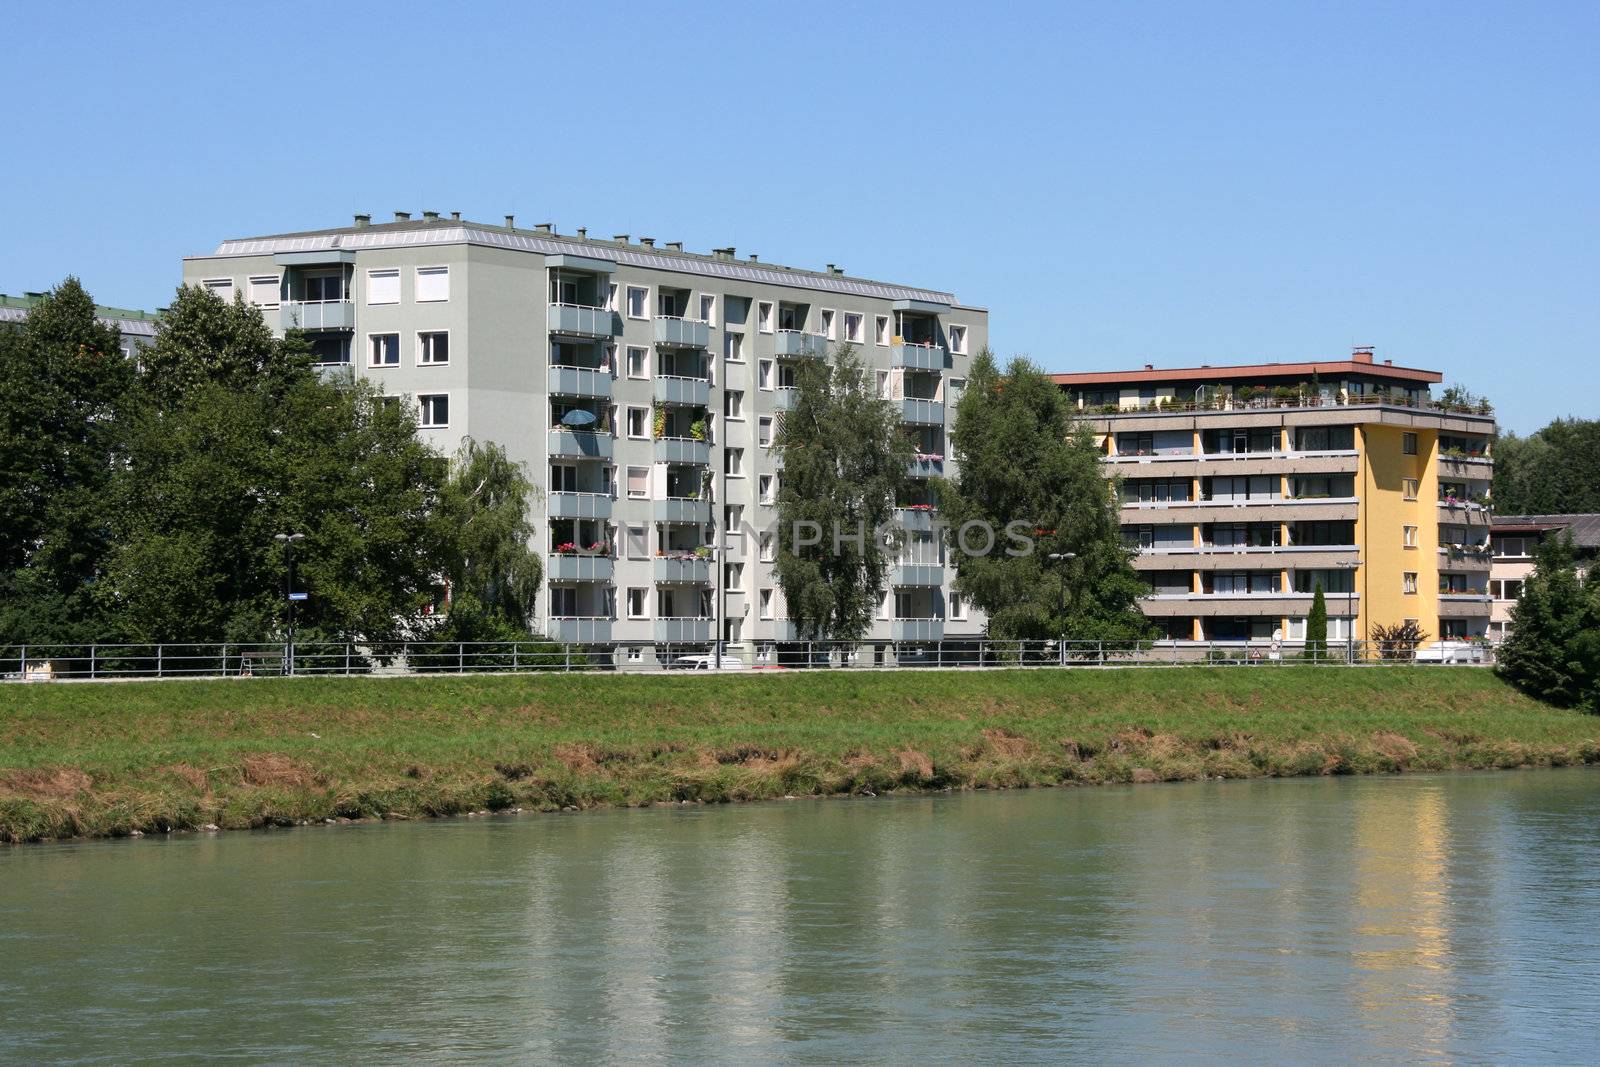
111	759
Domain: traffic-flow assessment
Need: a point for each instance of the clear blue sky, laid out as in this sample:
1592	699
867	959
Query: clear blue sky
1118	184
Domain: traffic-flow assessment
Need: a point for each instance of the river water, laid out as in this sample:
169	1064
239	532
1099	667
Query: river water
1435	918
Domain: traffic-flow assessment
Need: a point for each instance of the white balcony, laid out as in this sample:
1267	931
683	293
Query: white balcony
681	509
785	399
317	315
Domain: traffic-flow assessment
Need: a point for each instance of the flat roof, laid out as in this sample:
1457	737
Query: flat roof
416	232
1205	375
127	320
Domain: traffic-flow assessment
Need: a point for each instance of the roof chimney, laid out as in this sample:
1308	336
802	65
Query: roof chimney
648	242
1388	363
1361	354
363	221
836	270
620	238
1149	366
583	231
402	216
545	227
676	246
430	216
511	222
455	215
830	268
724	253
752	257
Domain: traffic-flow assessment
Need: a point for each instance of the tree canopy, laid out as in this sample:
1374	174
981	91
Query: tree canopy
1553	651
1553	471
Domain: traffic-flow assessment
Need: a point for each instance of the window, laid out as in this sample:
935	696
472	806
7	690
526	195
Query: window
434	409
433	284
733	404
638	302
733	347
766	603
1408	582
882	329
1514	547
638	541
638	362
764	316
764	431
883	384
958	341
324	288
852	327
433	348
733	576
1408	488
383	350
264	291
563	602
733	462
1508	589
765	545
764	374
765	485
222	287
638	423
636	602
958	606
1408	443
708	309
638	483
827	323
563	478
1410	536
383	287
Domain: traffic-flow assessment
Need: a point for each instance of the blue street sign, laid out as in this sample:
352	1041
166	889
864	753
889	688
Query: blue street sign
299	596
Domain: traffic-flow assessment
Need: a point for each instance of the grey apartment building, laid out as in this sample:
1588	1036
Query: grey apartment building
642	385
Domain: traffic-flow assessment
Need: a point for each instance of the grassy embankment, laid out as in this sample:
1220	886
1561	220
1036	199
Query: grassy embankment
113	759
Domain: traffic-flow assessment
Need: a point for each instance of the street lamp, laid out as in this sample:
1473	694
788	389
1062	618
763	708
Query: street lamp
288	541
1349	565
1063	558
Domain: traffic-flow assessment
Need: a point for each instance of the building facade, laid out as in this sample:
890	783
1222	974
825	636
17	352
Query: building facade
1246	487
138	328
1514	540
643	387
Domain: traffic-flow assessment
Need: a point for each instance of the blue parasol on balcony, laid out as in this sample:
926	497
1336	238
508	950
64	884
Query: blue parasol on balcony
578	417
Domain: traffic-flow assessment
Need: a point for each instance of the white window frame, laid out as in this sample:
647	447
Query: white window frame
766	486
644	602
1408	583
733	347
764	600
830	324
708	308
883	331
764	374
627	485
953	330
1408	536
764	431
645	363
765	549
733	457
372	363
958	606
644	301
766	316
430	270
215	285
627	423
422	411
857	335
385	273
422	348
727	395
1409	488
271	279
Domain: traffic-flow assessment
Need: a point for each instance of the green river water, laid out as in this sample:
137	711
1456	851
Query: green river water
1438	918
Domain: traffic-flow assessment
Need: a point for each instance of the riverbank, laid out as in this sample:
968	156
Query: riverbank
109	760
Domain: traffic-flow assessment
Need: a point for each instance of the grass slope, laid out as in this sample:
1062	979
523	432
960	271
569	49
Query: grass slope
113	759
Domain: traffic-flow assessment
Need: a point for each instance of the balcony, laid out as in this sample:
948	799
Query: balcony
1229	557
317	315
917	357
916	629
682	392
1267	509
1464	605
580	444
683	450
681	509
924	465
785	399
579	320
578	629
682	570
690	631
579	381
579	568
922	412
917	574
1252	605
1464	560
1466	468
579	505
793	344
915	519
682	333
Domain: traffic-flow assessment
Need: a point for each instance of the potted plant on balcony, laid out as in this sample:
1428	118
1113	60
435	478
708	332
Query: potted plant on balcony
702	552
566	548
697	429
660	427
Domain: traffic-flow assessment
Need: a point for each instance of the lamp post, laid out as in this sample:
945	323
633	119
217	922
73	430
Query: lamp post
1349	566
1063	558
288	541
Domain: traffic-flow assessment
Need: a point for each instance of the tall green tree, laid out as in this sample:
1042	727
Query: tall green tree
494	571
1024	459
846	459
1317	624
1553	652
1555	470
63	381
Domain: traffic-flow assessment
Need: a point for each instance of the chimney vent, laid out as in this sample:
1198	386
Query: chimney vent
724	253
1149	366
583	231
648	242
830	268
430	216
620	238
546	227
456	215
402	216
1388	363
676	246
753	257
1362	354
837	270
363	221
511	222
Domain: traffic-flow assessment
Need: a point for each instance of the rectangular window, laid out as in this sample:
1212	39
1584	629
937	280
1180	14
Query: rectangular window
765	547
638	423
1408	443
958	341
638	483
563	478
958	606
324	288
637	599
766	603
733	404
638	302
764	374
433	284
827	324
1408	488
733	347
264	291
882	330
764	488
852	327
763	316
708	309
1410	533
733	462
883	384
383	350
383	287
433	348
638	362
563	602
764	431
1408	582
434	410
638	541
222	287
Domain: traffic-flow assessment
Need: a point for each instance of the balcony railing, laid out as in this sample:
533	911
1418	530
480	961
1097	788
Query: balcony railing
696	631
681	391
682	333
578	505
579	381
580	444
681	509
928	629
916	574
796	344
925	465
1166	405
581	320
915	518
682	570
579	629
784	399
317	315
927	357
682	450
922	411
568	567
